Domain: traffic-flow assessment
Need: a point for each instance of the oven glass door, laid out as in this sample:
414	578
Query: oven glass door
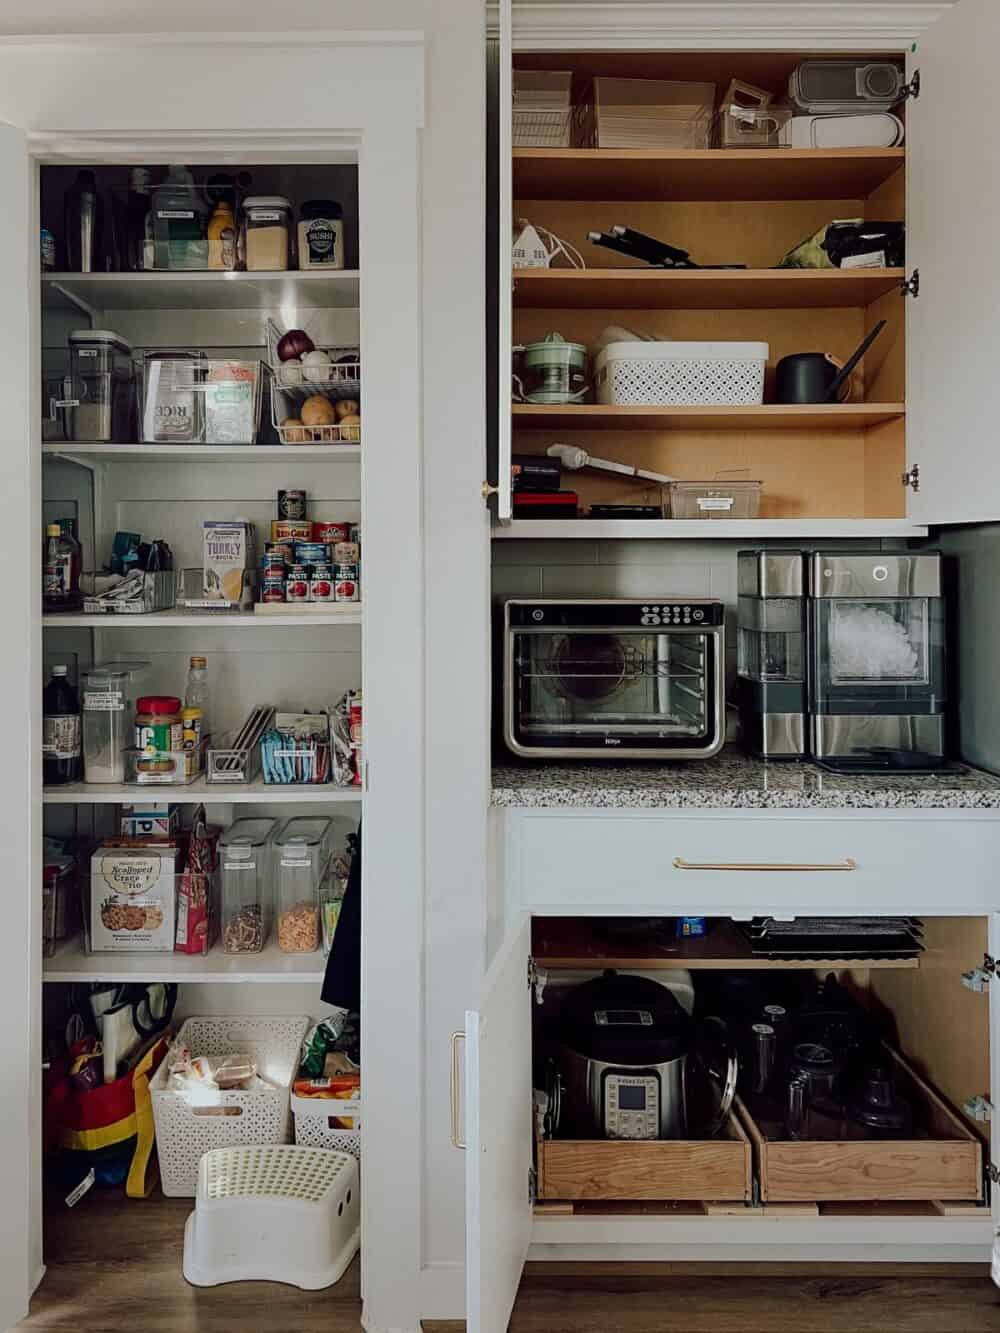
636	689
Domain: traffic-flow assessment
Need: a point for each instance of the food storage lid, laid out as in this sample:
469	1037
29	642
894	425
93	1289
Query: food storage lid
266	201
321	208
248	832
113	671
104	337
158	703
304	831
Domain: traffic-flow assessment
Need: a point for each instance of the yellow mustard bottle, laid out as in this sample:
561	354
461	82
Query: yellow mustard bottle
222	237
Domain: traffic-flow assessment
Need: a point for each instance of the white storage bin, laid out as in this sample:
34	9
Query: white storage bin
185	1132
681	374
312	1123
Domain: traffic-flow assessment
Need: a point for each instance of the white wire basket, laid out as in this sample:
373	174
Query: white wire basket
184	1132
681	374
314	1127
340	379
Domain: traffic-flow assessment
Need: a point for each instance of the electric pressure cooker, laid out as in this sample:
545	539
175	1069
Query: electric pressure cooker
632	1064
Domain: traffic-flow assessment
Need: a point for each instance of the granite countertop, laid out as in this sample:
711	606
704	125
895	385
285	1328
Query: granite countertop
734	781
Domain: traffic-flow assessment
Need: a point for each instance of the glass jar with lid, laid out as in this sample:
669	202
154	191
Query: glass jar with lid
99	399
245	858
321	234
302	855
267	233
107	715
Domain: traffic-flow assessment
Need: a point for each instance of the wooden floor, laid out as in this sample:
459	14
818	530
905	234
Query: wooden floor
136	1284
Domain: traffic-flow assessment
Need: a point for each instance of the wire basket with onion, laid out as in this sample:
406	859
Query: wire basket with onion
315	391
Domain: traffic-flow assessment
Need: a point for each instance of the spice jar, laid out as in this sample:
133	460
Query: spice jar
245	857
321	234
267	224
303	848
159	730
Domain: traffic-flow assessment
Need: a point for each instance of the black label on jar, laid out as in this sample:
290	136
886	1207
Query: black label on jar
321	241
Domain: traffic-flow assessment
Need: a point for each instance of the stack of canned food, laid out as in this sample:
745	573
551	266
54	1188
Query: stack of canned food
309	560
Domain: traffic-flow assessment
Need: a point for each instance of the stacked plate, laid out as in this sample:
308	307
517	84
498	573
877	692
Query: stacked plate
652	113
542	110
819	937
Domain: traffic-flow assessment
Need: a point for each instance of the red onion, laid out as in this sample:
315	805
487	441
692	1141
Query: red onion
296	342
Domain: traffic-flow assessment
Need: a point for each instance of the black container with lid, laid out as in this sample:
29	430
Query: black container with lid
321	234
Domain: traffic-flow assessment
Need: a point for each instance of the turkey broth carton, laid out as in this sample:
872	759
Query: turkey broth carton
133	898
229	561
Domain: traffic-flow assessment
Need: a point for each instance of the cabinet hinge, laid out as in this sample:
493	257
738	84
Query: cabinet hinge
537	980
532	1187
993	1174
911	477
912	89
911	286
978	1108
978	978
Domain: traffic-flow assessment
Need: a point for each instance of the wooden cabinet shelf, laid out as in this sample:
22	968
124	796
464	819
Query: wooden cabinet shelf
709	174
701	289
766	417
732	529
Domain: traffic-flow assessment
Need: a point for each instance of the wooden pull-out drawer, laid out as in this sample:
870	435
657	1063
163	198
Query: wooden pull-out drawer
946	1162
662	1169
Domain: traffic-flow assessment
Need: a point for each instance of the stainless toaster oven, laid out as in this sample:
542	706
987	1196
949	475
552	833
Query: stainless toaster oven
623	678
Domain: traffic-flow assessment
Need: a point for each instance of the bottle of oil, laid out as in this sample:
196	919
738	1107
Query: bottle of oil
61	563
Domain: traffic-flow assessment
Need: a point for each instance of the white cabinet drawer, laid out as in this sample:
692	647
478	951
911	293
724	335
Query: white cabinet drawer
850	862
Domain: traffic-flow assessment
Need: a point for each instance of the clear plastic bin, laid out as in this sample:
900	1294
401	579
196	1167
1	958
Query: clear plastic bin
645	113
99	393
167	768
180	215
107	704
302	854
714	499
157	593
542	112
188	398
60	902
226	763
753	127
246	872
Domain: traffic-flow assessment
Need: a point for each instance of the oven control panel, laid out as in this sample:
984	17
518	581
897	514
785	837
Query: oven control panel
673	614
620	615
631	1106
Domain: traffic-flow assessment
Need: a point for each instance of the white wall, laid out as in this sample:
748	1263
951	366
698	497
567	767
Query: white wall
457	585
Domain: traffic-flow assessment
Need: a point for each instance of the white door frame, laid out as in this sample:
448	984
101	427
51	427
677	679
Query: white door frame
265	97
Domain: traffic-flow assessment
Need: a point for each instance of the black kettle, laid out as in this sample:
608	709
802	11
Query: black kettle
818	377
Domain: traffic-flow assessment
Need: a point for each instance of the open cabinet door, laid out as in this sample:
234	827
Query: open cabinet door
505	204
993	946
20	682
953	389
498	1129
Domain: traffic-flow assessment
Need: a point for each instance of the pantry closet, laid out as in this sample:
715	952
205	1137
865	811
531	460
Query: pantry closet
357	107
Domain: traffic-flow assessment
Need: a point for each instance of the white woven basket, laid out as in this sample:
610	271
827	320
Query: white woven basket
681	374
185	1132
312	1124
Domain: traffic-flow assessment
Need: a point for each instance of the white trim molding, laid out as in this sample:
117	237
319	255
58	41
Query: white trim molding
686	25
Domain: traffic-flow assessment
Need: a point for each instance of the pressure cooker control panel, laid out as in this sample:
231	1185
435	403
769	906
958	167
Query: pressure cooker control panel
631	1106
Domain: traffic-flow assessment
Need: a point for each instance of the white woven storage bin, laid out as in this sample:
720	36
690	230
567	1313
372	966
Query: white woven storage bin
278	1214
313	1129
681	374
184	1132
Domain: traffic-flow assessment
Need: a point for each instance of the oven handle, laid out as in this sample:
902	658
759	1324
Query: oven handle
456	1140
847	865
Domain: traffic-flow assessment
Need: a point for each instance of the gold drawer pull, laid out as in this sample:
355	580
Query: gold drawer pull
456	1141
680	864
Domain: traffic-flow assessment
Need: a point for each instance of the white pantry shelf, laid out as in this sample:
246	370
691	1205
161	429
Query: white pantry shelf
750	529
215	793
309	289
204	453
72	963
348	613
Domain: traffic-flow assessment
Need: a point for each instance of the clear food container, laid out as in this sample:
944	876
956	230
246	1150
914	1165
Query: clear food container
714	499
331	901
180	223
753	126
188	398
267	233
645	113
302	856
108	718
99	398
60	905
246	870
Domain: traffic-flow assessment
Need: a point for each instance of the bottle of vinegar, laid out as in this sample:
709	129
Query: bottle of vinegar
60	730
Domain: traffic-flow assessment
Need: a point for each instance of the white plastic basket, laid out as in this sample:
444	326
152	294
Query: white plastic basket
681	374
185	1132
313	1128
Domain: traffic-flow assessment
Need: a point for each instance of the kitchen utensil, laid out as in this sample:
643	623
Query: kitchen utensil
819	377
574	459
879	1109
616	678
624	1050
647	249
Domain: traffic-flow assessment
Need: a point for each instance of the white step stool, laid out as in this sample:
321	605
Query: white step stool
273	1214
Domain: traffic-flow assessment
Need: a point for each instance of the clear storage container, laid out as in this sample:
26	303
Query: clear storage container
542	112
180	215
188	398
267	233
714	499
645	113
302	850
60	903
108	717
99	399
246	872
